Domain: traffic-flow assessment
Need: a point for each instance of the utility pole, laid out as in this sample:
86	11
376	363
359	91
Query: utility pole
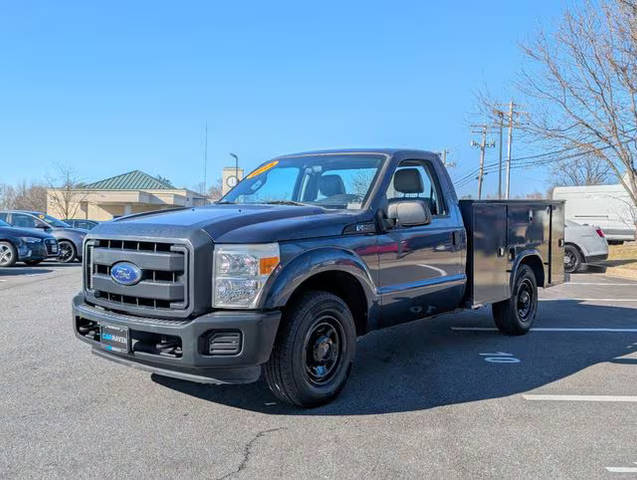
483	145
500	114
205	158
443	156
510	141
236	166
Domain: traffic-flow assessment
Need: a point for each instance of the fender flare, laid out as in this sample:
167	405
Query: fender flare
284	283
519	257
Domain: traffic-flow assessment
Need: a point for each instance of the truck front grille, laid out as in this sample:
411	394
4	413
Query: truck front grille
163	286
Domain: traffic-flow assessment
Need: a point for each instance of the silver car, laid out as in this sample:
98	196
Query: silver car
584	244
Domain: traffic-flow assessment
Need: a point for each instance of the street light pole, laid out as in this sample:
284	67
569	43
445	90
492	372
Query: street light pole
236	166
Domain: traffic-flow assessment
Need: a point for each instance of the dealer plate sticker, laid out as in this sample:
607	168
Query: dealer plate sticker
114	338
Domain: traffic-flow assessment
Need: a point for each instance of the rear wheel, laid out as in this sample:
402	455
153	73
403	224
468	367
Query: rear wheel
67	251
572	259
314	351
8	254
515	315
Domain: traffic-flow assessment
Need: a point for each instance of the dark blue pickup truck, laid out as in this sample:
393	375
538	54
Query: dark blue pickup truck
305	254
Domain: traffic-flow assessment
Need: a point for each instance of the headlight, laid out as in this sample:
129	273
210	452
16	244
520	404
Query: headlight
31	239
240	272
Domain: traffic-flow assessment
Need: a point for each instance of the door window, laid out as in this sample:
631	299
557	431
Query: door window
430	192
23	220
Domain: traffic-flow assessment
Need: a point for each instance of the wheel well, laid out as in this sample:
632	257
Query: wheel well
344	285
534	262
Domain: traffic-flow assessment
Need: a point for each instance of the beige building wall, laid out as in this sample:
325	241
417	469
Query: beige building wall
107	204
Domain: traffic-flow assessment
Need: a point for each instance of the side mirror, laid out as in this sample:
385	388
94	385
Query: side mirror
42	225
409	213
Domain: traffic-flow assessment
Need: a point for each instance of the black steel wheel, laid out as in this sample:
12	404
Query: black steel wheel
67	251
8	254
314	350
515	315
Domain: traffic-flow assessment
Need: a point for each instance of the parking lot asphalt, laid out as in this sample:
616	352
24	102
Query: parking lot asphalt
447	397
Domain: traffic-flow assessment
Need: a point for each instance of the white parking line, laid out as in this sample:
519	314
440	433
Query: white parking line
622	469
556	329
582	398
590	299
599	283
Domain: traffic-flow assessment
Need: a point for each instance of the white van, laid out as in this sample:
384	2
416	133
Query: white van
606	206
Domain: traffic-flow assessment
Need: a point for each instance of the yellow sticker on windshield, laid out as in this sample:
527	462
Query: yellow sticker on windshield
41	216
262	169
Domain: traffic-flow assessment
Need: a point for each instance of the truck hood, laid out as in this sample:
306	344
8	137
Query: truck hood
236	223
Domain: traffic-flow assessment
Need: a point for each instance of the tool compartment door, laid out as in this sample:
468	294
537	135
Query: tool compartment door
556	264
490	279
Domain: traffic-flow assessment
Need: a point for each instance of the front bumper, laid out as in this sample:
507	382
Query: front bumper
258	331
32	251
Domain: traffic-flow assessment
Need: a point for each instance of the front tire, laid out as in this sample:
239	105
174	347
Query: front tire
314	350
515	315
8	254
67	251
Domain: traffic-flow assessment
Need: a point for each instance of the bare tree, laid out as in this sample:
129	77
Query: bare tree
65	192
215	190
23	197
580	171
582	87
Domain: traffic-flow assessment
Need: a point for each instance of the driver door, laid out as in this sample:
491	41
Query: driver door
420	267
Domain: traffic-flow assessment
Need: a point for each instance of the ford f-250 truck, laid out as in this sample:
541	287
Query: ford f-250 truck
305	254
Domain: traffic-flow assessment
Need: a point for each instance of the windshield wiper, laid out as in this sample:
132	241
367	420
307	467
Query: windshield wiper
287	202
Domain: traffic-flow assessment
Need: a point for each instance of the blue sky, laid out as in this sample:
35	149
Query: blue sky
128	85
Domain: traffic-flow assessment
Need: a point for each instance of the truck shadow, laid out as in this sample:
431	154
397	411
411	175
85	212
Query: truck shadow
425	364
19	271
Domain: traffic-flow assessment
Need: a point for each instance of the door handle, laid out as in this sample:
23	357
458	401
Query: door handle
501	251
454	237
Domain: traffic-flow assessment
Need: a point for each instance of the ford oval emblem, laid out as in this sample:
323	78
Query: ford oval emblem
126	273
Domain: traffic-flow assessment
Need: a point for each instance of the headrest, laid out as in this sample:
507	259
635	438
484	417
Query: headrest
408	180
330	185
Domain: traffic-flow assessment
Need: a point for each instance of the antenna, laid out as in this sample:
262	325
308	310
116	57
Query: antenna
205	157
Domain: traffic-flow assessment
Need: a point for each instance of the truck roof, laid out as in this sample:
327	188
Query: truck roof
352	151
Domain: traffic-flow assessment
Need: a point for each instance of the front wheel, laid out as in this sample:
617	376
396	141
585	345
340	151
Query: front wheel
314	351
8	254
515	315
67	251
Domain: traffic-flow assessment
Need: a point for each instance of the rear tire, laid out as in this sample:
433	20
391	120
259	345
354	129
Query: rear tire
314	350
573	259
8	254
515	315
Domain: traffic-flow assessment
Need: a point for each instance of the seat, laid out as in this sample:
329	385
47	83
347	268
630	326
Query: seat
408	181
330	185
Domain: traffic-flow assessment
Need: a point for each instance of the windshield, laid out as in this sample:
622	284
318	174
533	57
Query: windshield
329	181
54	222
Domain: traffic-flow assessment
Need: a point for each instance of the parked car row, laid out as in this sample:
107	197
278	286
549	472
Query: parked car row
32	237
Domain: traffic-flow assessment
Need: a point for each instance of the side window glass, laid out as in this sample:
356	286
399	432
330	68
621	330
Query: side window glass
3	216
416	180
22	220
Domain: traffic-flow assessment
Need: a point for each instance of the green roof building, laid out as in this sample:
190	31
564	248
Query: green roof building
131	192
